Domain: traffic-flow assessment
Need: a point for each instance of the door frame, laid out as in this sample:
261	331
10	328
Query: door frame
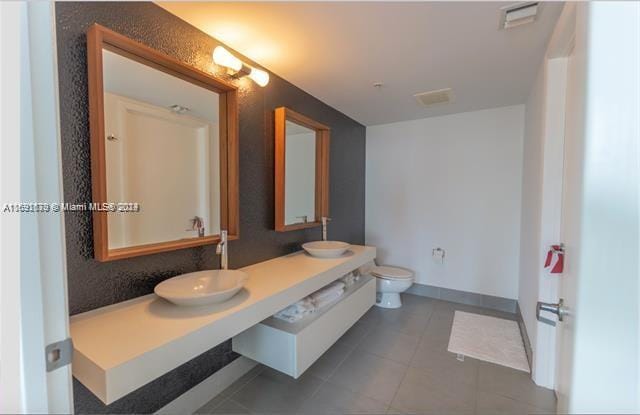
600	372
555	72
39	307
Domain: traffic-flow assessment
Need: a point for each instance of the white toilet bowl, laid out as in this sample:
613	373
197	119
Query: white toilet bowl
390	282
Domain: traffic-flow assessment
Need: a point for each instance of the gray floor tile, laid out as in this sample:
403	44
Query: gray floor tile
514	384
448	308
329	361
416	304
491	404
393	345
356	333
437	362
423	393
404	322
210	406
460	297
436	335
275	392
497	313
234	387
391	361
369	375
332	399
499	303
230	407
442	315
424	290
372	317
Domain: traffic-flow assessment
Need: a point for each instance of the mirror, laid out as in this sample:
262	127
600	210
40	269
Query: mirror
302	170
300	174
164	150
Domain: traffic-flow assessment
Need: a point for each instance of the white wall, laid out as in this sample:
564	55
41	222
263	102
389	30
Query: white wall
452	182
300	177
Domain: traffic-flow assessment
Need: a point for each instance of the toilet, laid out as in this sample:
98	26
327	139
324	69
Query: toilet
390	282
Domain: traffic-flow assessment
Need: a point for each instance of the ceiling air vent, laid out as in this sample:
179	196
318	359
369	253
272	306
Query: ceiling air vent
440	96
518	14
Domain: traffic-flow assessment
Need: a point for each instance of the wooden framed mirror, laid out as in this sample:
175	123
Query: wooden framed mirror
301	171
164	150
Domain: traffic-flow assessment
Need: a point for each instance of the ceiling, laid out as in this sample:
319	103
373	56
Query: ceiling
131	79
336	51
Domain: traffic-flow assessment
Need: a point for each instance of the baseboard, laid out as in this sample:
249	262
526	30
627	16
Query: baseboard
525	337
203	392
463	297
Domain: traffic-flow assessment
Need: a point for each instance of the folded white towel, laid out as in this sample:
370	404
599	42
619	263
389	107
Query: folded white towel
311	303
329	299
297	310
288	317
336	286
303	306
348	279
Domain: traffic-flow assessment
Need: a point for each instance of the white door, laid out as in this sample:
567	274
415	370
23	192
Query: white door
31	381
569	229
598	339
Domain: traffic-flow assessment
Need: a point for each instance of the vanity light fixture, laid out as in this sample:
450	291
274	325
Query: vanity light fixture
223	57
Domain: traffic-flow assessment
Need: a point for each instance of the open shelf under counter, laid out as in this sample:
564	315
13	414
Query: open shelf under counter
292	348
121	347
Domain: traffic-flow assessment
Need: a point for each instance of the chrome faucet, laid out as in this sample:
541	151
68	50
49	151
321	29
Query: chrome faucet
197	224
324	227
222	250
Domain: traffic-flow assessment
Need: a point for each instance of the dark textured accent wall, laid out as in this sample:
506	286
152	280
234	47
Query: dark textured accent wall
93	284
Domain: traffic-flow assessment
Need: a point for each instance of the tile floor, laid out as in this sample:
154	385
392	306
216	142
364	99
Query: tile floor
391	362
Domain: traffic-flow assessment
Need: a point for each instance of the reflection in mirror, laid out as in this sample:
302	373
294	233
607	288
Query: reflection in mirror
162	150
301	171
300	174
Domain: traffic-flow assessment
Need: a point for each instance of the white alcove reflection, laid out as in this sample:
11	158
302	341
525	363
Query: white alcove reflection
162	151
300	174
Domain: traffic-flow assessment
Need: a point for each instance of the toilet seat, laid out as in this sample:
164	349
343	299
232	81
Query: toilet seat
391	273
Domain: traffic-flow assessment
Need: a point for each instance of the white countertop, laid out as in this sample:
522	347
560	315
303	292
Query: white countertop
121	347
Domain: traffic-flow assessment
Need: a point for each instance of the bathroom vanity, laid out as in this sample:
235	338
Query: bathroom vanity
121	347
164	139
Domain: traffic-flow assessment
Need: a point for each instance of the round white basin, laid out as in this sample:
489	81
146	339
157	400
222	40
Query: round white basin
326	249
202	287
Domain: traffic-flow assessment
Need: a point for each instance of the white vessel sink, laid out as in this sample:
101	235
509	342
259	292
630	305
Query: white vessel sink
202	287
326	249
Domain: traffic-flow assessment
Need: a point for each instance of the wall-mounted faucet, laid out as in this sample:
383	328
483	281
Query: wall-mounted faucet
222	250
324	227
197	224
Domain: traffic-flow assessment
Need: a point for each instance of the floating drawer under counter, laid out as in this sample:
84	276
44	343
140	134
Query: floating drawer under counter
292	348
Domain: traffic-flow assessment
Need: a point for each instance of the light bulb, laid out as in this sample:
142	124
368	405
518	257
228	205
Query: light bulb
223	57
259	76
